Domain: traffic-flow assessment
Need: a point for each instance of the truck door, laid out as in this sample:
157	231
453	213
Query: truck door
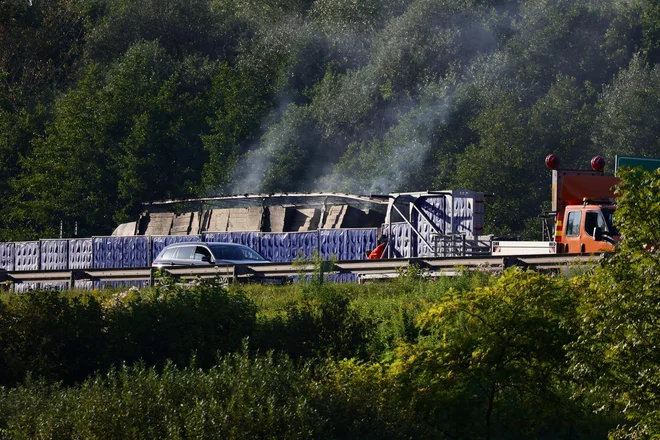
594	218
572	230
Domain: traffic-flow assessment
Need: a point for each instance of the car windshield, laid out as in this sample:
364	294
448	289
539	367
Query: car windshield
235	253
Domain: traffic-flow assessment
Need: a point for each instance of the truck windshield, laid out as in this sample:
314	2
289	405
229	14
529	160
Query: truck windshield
609	219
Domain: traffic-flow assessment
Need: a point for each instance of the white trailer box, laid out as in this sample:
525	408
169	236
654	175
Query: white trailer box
505	248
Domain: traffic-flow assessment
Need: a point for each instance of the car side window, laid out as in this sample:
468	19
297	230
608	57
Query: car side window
233	254
185	253
573	223
249	254
169	254
201	252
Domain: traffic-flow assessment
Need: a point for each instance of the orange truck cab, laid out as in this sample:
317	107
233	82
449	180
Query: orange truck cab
583	205
588	228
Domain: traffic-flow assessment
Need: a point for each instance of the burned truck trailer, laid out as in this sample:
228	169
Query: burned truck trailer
282	227
415	224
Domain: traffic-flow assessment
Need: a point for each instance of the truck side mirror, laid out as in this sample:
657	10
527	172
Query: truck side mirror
598	233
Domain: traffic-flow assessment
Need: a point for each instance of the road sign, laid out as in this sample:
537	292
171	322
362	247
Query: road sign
646	163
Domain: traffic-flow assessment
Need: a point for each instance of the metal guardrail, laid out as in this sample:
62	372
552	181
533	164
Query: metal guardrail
366	269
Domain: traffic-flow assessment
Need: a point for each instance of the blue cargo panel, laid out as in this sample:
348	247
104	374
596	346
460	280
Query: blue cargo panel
303	245
247	238
217	237
80	253
346	244
282	247
120	284
158	242
399	240
54	254
24	287
273	246
468	213
437	209
107	252
331	243
26	255
458	212
435	220
7	256
135	251
359	242
84	284
54	286
343	278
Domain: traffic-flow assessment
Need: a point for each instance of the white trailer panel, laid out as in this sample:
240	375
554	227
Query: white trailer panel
505	248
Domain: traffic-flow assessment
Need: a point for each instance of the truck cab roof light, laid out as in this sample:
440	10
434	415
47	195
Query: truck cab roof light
552	161
598	163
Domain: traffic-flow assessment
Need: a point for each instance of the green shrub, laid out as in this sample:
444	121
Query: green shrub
171	322
51	334
491	363
364	402
241	397
68	336
321	323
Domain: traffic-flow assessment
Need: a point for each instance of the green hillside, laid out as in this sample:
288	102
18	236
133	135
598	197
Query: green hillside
108	103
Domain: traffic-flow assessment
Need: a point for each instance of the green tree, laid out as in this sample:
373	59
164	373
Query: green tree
238	106
41	42
491	363
617	353
122	136
558	37
287	158
67	177
504	163
650	23
181	27
626	124
561	122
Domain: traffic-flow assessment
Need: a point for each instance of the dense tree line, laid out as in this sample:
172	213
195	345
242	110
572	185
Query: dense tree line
108	103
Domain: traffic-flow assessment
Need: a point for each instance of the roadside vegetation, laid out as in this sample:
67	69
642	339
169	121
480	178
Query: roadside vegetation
477	356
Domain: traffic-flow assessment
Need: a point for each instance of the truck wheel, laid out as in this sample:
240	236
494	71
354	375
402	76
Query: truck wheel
582	248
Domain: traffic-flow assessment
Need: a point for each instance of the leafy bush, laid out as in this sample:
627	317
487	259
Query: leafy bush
616	356
365	400
171	322
484	360
241	397
56	336
67	337
491	363
322	323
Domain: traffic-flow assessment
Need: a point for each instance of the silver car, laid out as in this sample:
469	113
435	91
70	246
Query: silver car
199	253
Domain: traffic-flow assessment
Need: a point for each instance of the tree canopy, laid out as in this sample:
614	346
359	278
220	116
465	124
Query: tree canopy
108	103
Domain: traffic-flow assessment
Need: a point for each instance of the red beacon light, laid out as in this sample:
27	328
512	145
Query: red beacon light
598	163
552	161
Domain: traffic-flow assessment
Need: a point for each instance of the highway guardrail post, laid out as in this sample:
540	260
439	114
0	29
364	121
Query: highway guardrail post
152	273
